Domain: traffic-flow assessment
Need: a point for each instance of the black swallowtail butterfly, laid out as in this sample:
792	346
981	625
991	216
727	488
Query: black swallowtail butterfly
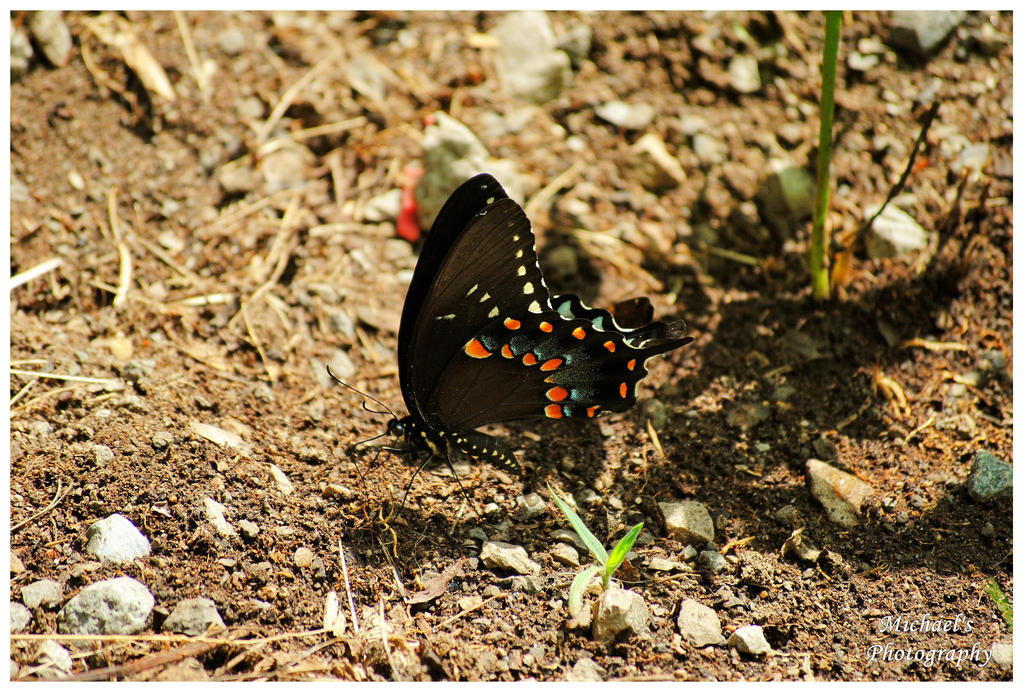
482	341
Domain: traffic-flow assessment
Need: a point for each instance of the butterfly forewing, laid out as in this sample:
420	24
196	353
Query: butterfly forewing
490	271
464	204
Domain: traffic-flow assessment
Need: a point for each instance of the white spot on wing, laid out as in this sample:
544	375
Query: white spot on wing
494	312
527	288
472	290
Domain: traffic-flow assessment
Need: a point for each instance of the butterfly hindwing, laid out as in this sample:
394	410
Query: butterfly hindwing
550	364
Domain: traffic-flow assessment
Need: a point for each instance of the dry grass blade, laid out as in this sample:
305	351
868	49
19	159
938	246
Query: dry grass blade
939	346
544	196
289	96
348	586
57	497
34	272
124	274
117	32
69	378
193	57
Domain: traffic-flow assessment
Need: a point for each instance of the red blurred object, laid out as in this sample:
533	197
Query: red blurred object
408	217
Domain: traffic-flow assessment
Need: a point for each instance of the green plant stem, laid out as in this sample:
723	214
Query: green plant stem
818	274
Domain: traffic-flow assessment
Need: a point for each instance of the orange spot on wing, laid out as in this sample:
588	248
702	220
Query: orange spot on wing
529	359
609	345
554	411
557	393
507	352
511	323
546	327
579	333
591	411
623	389
475	349
552	364
631	365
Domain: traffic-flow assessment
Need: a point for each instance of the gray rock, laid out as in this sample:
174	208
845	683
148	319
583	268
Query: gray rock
527	60
187	670
54	656
619	611
990	478
383	207
287	167
698	624
530	506
162	440
115	539
341	364
749	640
746	416
653	165
893	233
52	35
790	516
20	617
786	196
922	32
215	515
102	454
840	493
452	154
45	592
114	606
661	564
281	479
586	670
505	556
341	322
709	149
237	179
972	157
367	76
862	62
576	42
656	412
231	40
1001	654
627	116
567	536
744	74
565	554
193	616
304	557
688	522
21	53
711	561
249	529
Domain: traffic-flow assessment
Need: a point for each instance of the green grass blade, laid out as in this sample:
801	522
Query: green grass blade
818	274
578	588
997	596
580	528
620	550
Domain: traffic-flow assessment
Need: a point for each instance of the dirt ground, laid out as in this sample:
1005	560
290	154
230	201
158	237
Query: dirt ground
245	282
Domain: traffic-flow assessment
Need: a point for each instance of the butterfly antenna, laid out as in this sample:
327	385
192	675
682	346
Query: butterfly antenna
387	409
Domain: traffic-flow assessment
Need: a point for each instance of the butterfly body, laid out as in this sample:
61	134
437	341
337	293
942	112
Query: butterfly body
482	341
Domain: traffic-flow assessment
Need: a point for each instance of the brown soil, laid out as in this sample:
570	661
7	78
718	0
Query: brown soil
772	380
